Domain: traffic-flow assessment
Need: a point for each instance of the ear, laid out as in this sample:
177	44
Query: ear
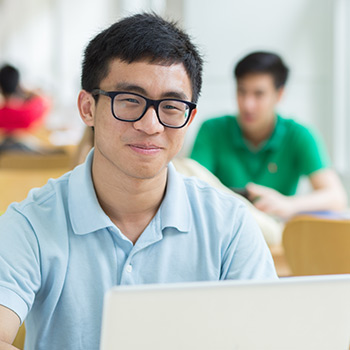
193	114
280	93
86	106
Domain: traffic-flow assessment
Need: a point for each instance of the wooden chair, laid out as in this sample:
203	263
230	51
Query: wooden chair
20	337
317	246
18	160
279	258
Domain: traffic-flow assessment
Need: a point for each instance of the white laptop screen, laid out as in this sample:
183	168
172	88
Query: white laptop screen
299	313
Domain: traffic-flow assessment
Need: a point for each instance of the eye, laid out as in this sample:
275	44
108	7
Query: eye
130	100
240	92
259	93
169	106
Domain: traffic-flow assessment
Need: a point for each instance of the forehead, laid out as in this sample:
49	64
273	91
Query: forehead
257	81
153	78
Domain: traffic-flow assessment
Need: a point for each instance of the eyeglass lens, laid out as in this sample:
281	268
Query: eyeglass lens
131	107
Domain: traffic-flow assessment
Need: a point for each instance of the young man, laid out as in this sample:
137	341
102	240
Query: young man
264	153
125	216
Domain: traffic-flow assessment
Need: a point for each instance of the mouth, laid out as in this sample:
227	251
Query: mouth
247	116
146	149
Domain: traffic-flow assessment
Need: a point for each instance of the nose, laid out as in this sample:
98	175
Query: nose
149	123
247	103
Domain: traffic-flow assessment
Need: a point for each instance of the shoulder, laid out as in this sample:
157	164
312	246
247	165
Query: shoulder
42	208
220	122
37	223
212	201
190	181
298	131
223	222
48	193
295	127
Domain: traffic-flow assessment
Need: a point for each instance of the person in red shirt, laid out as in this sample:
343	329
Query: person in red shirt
21	111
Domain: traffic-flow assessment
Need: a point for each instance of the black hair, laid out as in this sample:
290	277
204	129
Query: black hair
9	79
263	62
140	37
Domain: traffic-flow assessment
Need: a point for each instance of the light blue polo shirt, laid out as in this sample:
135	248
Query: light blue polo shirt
60	253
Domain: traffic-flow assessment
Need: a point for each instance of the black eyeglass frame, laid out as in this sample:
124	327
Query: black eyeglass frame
149	103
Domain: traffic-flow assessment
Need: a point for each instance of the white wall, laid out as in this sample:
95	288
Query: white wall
341	89
25	39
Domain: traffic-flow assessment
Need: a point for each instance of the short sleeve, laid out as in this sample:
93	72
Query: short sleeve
312	151
19	261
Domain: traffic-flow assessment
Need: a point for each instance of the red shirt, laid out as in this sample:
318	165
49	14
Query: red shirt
19	114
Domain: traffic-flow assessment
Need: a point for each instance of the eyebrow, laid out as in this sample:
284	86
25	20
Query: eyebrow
139	90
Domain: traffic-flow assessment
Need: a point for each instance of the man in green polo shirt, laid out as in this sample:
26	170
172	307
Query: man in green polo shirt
263	153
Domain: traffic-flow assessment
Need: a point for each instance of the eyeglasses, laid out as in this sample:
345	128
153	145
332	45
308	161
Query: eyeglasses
130	107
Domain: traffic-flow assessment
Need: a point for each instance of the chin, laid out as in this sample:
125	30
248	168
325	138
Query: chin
250	127
147	172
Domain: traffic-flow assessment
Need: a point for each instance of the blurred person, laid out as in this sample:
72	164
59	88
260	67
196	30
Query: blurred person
124	216
263	154
21	112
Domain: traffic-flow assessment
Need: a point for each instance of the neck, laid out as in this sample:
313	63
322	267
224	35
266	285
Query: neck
130	203
257	137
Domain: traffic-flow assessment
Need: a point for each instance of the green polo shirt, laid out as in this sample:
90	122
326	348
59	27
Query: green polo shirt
291	151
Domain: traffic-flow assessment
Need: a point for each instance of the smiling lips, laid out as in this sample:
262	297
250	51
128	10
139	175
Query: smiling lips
145	149
248	117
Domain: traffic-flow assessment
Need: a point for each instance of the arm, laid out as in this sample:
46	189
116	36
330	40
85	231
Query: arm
9	325
328	194
19	273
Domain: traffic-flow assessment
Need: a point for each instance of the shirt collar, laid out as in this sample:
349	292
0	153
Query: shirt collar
175	210
272	143
87	215
236	134
276	138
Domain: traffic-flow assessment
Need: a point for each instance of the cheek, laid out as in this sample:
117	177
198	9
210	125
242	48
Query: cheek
271	103
240	100
106	127
266	103
177	139
104	119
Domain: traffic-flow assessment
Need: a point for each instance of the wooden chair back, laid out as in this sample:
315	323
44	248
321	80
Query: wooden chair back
316	246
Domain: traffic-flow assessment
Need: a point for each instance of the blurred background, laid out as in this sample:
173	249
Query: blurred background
45	39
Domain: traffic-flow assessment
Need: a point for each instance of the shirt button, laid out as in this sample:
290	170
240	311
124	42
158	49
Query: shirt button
129	268
272	167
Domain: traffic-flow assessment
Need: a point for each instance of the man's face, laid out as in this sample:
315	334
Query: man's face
141	149
257	97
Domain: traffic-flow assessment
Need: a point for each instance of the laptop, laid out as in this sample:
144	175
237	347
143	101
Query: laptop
294	313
